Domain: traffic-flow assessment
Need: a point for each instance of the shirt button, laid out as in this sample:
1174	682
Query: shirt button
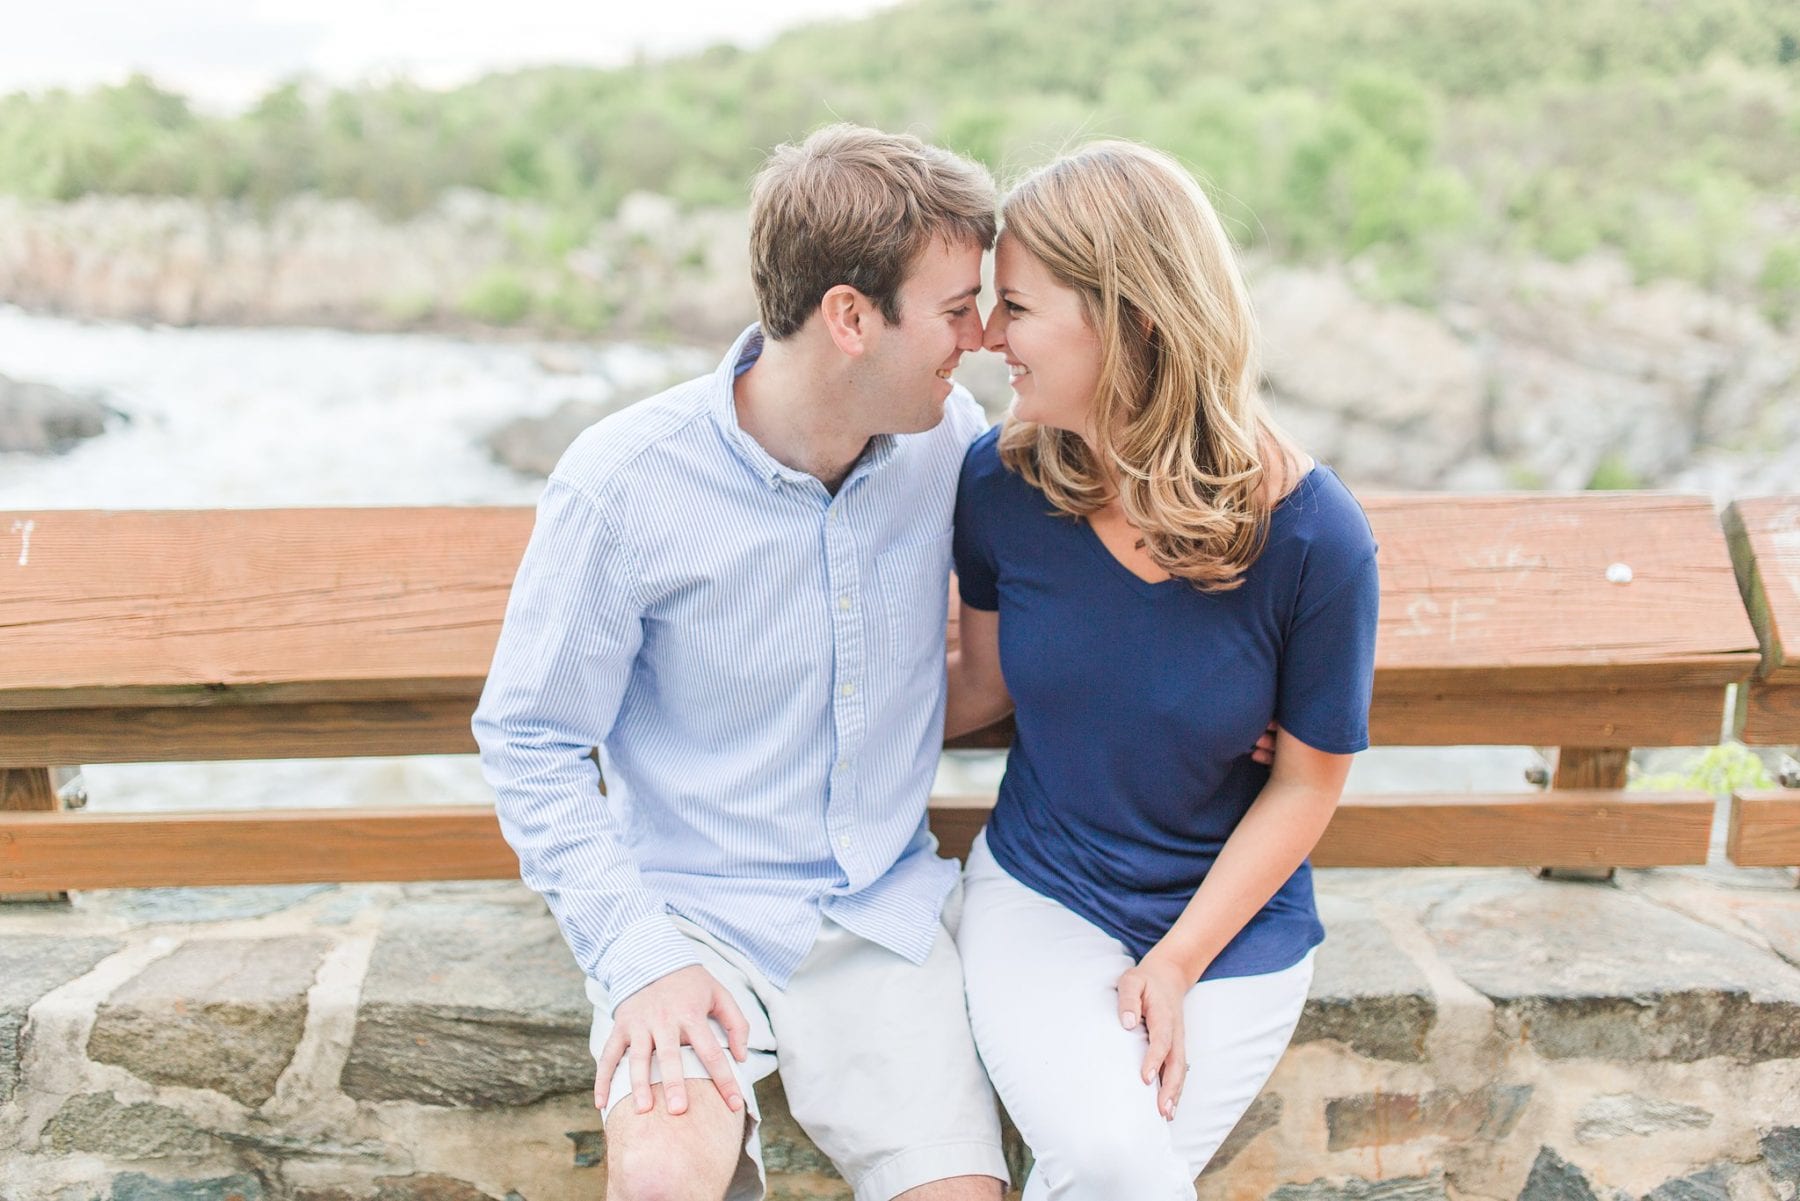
844	843
843	602
832	514
843	765
848	690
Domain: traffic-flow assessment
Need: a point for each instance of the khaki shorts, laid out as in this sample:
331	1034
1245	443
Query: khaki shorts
876	1059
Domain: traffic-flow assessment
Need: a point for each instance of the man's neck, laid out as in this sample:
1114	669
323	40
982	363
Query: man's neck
796	411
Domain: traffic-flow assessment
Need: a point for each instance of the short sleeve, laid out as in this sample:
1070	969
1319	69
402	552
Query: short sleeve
1328	661
977	575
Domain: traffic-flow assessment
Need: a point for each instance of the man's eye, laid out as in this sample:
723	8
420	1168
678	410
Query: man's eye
962	312
1013	308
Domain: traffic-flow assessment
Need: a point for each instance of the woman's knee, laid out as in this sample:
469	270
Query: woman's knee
1097	1165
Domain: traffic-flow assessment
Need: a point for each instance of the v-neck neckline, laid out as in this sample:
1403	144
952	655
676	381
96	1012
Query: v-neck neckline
1091	537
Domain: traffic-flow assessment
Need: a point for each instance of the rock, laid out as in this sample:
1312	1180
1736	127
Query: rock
135	1186
102	1124
31	966
38	419
1387	367
785	1147
222	1014
1381	1119
533	445
1711	1185
1366	992
1622	1114
1582	971
1553	1178
1403	1188
470	1003
590	1147
1264	1114
428	1188
1781	1154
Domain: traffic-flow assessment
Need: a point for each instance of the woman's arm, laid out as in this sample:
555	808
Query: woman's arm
1277	832
978	695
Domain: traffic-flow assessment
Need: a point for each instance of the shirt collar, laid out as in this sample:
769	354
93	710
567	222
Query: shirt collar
745	351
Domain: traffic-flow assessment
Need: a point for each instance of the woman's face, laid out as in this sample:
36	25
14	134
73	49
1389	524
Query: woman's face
1038	325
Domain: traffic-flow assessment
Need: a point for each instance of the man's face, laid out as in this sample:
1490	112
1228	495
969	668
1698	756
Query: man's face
906	378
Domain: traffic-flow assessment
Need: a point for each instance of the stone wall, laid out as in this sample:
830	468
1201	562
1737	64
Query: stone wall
1471	1034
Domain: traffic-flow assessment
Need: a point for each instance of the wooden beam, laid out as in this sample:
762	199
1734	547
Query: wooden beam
27	790
1764	536
1765	828
190	734
303	846
1576	714
1768	714
1586	828
1592	767
49	851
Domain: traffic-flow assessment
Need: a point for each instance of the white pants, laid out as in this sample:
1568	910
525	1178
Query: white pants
1044	1005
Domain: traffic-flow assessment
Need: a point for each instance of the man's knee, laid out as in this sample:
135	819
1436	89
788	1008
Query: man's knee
657	1157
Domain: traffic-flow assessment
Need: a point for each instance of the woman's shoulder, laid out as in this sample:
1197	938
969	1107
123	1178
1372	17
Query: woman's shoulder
984	475
1321	517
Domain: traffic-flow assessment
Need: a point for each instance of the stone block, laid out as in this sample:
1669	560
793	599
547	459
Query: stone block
146	906
222	1014
135	1186
1366	992
1583	971
1264	1114
1380	1119
30	967
102	1124
1554	1178
1624	1114
1403	1188
470	1003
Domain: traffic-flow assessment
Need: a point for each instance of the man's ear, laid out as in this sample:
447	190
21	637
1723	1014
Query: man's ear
846	313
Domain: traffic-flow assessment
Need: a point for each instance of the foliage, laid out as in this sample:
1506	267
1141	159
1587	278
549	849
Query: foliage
1719	770
1397	129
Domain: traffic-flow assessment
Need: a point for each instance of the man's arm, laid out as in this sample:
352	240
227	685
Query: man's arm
574	624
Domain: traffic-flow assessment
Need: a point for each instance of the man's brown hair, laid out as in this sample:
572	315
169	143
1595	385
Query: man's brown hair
856	206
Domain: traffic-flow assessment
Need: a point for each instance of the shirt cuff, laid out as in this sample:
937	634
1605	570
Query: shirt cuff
643	953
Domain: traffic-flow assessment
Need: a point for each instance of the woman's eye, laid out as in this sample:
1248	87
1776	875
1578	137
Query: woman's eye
1013	309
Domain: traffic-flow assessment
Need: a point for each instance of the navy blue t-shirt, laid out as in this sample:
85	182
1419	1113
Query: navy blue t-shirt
1138	703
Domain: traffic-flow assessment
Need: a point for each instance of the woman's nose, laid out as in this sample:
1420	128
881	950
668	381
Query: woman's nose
993	336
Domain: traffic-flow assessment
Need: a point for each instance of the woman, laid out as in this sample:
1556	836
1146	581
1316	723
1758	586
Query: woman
1150	573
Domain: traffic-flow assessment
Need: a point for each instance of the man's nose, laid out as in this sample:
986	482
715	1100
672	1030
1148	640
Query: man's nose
969	333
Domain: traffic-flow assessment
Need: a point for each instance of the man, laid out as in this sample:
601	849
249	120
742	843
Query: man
736	591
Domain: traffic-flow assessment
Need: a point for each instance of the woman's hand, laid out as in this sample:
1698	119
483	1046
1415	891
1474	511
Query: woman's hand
1151	994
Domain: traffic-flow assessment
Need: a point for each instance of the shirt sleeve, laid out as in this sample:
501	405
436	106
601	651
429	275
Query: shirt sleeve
1328	662
572	631
977	575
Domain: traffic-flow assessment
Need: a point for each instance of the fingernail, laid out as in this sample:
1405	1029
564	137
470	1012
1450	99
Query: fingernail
1131	1021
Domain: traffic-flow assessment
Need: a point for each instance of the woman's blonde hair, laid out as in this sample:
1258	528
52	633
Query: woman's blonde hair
1177	418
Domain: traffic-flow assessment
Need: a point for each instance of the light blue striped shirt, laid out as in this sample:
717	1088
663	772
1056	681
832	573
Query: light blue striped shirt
762	667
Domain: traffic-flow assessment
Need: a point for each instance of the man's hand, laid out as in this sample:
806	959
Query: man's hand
1264	750
1150	995
655	1021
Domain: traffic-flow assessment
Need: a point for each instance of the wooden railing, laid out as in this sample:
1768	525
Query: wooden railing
1590	624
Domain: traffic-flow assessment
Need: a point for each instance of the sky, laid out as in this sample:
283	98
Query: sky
225	53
